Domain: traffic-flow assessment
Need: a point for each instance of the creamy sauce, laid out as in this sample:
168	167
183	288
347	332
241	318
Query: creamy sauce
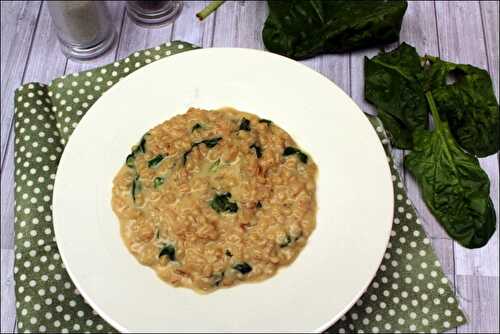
209	199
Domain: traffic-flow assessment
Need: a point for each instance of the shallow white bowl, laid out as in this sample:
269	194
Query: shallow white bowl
355	196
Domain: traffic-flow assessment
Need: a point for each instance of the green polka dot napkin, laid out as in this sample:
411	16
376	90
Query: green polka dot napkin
409	293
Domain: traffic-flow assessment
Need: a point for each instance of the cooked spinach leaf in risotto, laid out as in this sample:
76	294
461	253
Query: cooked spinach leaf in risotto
209	199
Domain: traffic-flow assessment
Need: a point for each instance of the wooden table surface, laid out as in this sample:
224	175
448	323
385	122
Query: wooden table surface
462	31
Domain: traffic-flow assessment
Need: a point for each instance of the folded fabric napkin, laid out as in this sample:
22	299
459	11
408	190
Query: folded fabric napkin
409	293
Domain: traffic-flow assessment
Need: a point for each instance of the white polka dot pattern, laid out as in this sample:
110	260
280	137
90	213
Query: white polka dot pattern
410	292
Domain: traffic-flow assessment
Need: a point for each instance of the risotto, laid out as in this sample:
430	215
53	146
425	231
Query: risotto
209	199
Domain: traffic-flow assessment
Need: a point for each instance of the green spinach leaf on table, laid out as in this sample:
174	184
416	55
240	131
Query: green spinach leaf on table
454	186
393	83
404	88
469	104
396	83
301	29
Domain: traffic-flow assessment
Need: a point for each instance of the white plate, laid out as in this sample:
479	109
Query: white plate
355	196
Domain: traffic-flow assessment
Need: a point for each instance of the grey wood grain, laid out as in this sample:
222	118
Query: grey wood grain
489	13
7	200
8	298
478	296
18	26
334	67
444	251
134	37
45	48
461	39
239	24
189	29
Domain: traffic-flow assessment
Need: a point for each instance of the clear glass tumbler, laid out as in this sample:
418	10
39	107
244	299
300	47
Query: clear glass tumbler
153	12
84	28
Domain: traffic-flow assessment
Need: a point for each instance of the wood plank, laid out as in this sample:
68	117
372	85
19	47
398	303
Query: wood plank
8	298
7	200
45	48
419	30
444	251
478	297
117	11
188	28
490	12
461	39
419	27
134	37
334	67
18	27
239	24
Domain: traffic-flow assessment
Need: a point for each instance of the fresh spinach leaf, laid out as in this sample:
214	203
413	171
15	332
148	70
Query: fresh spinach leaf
245	124
404	88
454	186
155	161
396	83
393	83
292	150
220	203
469	105
243	267
258	150
168	251
301	29
158	181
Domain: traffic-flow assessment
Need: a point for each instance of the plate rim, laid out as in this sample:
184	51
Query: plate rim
92	109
